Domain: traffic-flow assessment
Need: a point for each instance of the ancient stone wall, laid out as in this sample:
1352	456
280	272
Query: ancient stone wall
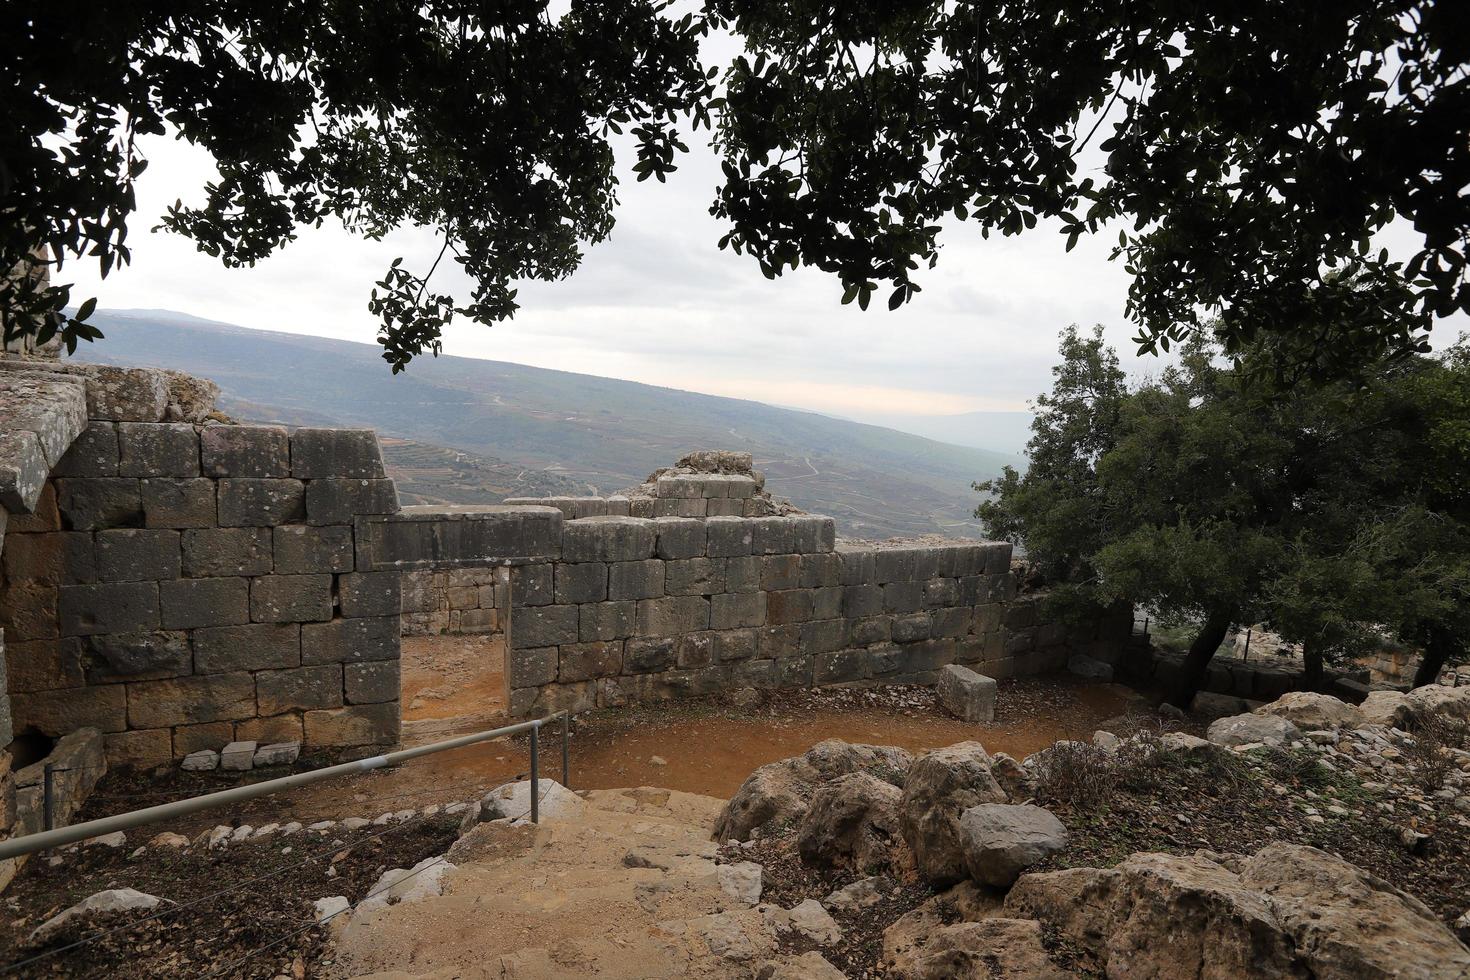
455	601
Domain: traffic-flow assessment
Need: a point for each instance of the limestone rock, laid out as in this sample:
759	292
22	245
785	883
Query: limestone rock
397	885
1306	709
1452	703
992	948
780	791
852	822
111	900
940	786
807	919
330	907
1001	840
723	935
279	754
965	694
807	966
741	882
1208	704
1346	922
1388	708
238	756
512	801
168	839
859	894
1244	729
1185	744
1019	785
1085	666
190	399
965	902
205	760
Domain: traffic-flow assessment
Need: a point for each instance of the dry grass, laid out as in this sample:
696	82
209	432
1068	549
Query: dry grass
1427	753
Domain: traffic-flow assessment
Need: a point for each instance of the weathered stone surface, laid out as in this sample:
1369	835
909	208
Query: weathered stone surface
190	399
729	536
208	736
532	667
1250	728
606	621
635	579
137	555
781	791
1435	700
1309	711
336	453
238	756
341	501
852	821
246	502
1390	708
51	558
293	598
94	504
173	503
965	694
361	724
140	749
44	665
543	626
1001	840
157	449
281	728
694	576
226	551
204	760
350	640
135	656
298	689
125	607
191	700
58	713
188	603
672	615
248	451
371	683
580	582
991	947
112	902
257	646
94	453
303	549
370	593
585	661
1345	922
937	789
736	611
679	537
532	585
277	754
448	537
126	394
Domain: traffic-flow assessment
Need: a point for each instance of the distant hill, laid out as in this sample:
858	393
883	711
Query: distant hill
594	432
1006	432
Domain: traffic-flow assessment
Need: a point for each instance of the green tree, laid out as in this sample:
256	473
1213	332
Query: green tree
1251	151
489	123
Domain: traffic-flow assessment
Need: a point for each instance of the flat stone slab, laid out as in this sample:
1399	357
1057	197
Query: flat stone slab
965	694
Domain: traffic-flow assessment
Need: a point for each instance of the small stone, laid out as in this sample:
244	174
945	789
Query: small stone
169	839
354	823
291	827
278	754
204	760
238	757
321	826
267	830
858	895
657	760
111	900
220	836
330	906
742	881
115	839
242	832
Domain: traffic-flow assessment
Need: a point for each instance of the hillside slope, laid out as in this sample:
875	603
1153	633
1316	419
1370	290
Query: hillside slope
597	432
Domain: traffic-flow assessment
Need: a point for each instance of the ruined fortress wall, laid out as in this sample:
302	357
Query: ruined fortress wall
178	586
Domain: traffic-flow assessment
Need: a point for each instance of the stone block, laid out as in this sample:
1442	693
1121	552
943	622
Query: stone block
733	646
759	674
681	485
127	607
679	537
742	574
870	630
940	592
462	596
370	593
673	615
779	642
543	626
49	558
336	453
247	502
903	597
277	754
727	537
998	559
361	724
642	655
294	599
126	394
23	470
635	579
299	689
586	661
227	551
642	507
141	749
94	504
449	537
794	672
303	549
189	700
954	621
341	501
580	581
157	449
790	606
823	636
780	572
895	565
967	695
773	535
606	621
827	603
94	453
58	713
211	736
245	451
1002	587
821	571
238	756
859	567
137	555
681	507
42	665
694	576
812	534
350	640
532	585
177	504
988	618
911	628
694	650
372	683
257	646
840	667
204	602
737	610
531	667
31	610
281	728
611	539
724	508
114	657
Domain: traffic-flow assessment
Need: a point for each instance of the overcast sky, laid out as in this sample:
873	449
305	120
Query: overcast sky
660	303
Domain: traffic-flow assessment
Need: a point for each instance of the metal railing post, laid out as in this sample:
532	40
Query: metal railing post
536	773
566	737
49	796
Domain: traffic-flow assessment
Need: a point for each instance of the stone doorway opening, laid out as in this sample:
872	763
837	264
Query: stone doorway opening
453	651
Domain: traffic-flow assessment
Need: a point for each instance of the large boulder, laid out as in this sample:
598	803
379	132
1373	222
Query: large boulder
1248	729
512	801
851	822
984	950
779	792
807	966
1161	916
1436	700
1387	708
1001	840
1346	922
1311	712
940	786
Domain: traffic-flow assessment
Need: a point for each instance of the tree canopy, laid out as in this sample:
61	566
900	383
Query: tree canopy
1320	510
1252	150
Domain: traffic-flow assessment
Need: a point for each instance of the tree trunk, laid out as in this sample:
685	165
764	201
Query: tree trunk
1437	651
1311	666
1197	661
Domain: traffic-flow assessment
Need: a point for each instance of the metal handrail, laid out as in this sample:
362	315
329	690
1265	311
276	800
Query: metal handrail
31	843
